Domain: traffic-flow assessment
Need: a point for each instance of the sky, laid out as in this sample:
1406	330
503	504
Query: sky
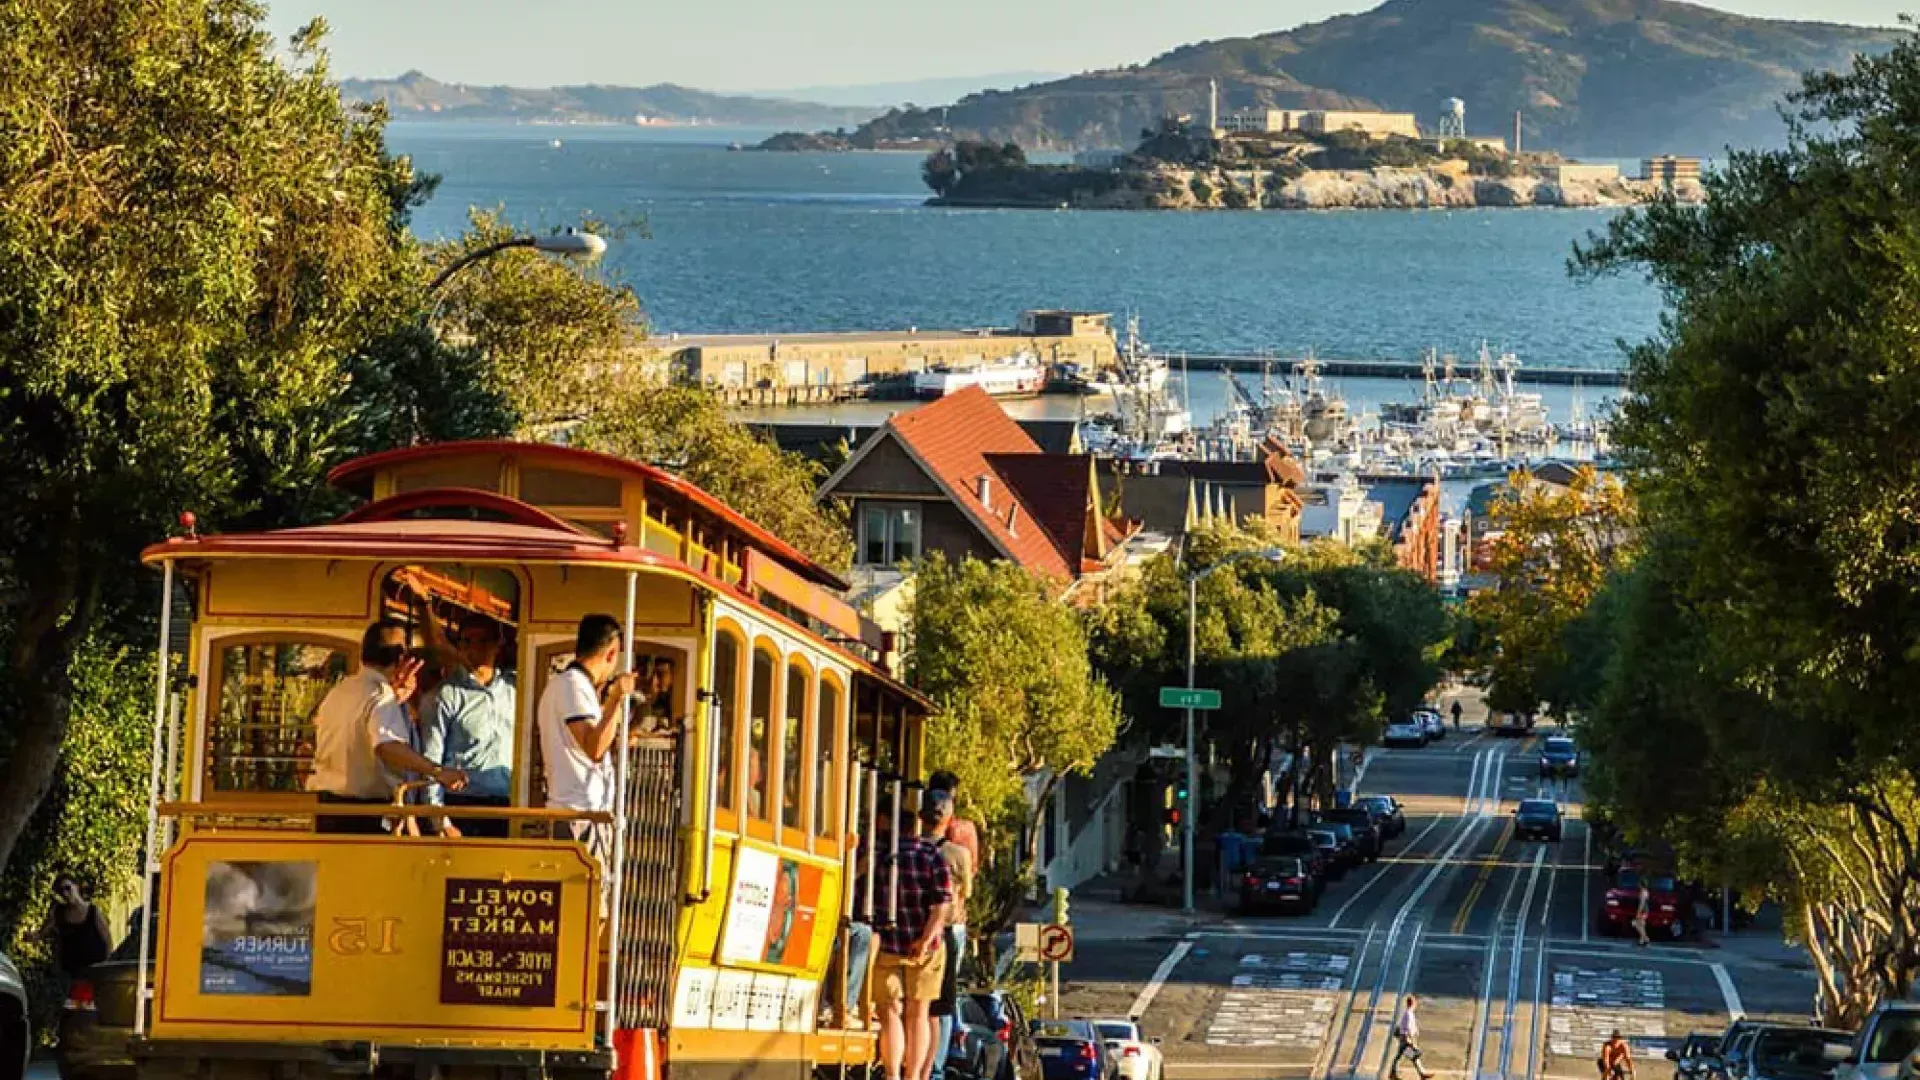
772	44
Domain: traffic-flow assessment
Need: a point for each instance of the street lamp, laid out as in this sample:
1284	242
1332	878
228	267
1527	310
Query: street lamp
571	242
1272	554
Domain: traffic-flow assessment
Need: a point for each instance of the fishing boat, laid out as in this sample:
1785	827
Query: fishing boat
1020	375
1136	367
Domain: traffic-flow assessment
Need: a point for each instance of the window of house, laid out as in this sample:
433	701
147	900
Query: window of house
760	734
792	773
889	534
826	722
726	683
260	737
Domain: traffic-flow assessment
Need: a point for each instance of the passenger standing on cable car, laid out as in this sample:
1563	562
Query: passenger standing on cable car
579	719
361	731
471	726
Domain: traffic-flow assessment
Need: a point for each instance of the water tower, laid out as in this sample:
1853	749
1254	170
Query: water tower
1453	119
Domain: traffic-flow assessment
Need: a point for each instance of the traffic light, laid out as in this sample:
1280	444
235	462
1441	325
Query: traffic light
1173	816
1060	906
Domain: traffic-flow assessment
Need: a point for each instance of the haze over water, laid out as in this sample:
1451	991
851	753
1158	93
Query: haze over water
795	242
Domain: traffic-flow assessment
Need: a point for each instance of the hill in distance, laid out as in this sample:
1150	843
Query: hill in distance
415	96
1614	78
875	96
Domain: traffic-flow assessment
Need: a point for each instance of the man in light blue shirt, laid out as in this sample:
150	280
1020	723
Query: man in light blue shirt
472	724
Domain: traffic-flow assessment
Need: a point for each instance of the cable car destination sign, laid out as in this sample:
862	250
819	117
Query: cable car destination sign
501	944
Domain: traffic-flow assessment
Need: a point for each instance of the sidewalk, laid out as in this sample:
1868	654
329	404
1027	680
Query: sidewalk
1097	913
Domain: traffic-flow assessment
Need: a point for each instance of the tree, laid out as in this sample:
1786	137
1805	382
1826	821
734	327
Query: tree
940	173
1020	707
687	430
1773	423
1552	549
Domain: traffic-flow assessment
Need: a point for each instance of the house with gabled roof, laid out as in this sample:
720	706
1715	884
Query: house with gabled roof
961	477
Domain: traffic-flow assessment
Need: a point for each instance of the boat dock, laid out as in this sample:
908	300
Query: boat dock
1394	369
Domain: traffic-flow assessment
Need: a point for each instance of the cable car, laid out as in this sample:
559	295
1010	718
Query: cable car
721	949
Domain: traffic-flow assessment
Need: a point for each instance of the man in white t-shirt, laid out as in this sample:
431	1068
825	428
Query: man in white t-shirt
579	718
362	737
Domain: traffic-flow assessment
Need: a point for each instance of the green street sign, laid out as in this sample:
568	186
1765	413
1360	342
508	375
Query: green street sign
1179	697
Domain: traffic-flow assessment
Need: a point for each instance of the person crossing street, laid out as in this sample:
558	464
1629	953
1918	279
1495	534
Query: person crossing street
1406	1037
1616	1059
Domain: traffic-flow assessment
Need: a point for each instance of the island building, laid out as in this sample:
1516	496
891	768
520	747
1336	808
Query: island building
1378	125
1574	172
1669	170
824	365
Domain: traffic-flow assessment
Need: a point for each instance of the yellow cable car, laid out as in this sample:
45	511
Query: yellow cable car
720	948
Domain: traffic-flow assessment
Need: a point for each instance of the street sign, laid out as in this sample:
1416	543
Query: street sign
1056	943
1180	697
1026	941
1166	752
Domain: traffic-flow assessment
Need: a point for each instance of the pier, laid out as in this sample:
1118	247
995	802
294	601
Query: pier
1395	369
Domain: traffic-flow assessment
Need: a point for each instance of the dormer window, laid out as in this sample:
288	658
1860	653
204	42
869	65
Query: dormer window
889	533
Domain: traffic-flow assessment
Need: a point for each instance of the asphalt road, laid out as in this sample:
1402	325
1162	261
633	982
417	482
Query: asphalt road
1495	935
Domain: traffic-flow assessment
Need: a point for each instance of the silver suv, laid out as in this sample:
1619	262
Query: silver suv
1888	1039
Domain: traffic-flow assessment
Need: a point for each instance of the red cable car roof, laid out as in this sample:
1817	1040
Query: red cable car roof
359	472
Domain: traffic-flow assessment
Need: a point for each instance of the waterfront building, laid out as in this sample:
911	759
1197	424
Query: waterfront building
1669	170
1574	172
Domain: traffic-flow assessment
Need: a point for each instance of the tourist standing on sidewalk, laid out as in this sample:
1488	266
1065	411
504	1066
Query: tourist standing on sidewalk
1406	1036
1457	710
1640	914
910	901
936	815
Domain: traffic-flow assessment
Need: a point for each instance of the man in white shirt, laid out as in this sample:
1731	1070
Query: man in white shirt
579	718
1406	1032
361	731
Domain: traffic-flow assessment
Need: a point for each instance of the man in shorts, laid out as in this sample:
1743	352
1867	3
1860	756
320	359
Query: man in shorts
914	889
936	815
1616	1059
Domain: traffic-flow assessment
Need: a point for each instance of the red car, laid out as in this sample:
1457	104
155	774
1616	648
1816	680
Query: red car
1664	916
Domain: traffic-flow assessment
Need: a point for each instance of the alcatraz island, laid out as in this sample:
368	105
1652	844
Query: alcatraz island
1286	159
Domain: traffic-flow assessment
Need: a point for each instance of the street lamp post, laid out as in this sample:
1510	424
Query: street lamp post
570	242
1193	766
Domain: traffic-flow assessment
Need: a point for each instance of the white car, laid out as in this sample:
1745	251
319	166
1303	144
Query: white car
1135	1056
15	1037
1406	733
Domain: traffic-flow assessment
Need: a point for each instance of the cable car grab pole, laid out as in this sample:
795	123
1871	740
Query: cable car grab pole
149	860
617	859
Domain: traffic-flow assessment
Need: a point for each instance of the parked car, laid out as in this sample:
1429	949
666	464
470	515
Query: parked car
1537	817
1405	733
1137	1057
1664	915
1432	723
1387	811
1559	757
974	1043
1072	1050
1733	1044
1889	1037
16	1037
1365	834
1338	855
1784	1052
1017	1057
1278	882
1690	1058
1347	853
1302	845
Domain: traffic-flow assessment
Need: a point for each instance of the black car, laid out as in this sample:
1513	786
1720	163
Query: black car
1387	813
1781	1052
15	1038
1559	757
1281	883
1300	845
1347	853
1013	1055
1072	1050
1537	817
1337	857
1365	834
1690	1058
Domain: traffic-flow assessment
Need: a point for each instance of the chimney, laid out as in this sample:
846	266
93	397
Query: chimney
983	488
1013	520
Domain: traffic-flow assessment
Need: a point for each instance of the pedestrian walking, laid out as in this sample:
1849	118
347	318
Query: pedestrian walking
1406	1037
1640	915
1457	710
1616	1059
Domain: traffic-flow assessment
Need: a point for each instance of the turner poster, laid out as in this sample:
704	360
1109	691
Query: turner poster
257	936
771	911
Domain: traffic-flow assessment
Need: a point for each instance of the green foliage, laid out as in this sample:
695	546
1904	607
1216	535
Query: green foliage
687	430
1358	150
940	172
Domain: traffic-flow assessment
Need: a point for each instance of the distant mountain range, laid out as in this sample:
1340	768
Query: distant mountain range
415	96
877	96
1620	78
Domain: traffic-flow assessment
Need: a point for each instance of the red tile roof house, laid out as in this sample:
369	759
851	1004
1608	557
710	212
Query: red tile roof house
960	477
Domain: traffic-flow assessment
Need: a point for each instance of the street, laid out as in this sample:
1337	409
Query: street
1495	935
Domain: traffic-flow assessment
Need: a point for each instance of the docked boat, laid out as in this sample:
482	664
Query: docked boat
1021	375
1137	367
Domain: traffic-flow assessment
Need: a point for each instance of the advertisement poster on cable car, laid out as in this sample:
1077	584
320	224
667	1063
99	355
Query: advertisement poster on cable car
258	929
770	913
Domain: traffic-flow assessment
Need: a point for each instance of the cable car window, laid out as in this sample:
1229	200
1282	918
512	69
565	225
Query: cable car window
260	737
792	772
826	721
759	735
726	682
